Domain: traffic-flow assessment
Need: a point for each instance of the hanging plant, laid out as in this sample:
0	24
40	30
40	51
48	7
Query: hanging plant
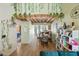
25	14
15	14
58	15
55	15
50	14
20	14
61	15
29	14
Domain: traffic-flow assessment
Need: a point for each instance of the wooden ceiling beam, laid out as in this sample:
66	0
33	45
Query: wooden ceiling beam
37	18
51	20
34	20
31	21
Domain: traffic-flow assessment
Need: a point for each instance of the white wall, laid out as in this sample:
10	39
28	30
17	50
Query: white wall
6	10
66	8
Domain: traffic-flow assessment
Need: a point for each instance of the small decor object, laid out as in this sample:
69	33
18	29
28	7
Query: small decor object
75	45
64	25
18	30
75	12
3	36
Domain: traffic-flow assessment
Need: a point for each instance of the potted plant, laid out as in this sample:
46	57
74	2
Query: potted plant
56	15
15	14
61	15
50	14
24	14
53	14
20	14
29	14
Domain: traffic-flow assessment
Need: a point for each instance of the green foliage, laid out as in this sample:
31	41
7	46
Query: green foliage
29	14
20	14
25	14
55	14
58	15
61	15
15	7
50	14
15	14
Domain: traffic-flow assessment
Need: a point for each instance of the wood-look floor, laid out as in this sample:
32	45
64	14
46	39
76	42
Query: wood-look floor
32	49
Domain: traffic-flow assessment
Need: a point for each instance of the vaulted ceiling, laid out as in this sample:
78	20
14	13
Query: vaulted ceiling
37	8
39	11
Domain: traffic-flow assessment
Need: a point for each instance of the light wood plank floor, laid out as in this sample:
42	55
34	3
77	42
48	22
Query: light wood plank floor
30	50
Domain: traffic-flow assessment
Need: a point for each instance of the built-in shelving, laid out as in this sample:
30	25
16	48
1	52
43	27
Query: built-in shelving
60	46
66	48
64	43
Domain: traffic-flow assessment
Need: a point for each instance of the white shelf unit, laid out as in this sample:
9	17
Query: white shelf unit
66	44
60	46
